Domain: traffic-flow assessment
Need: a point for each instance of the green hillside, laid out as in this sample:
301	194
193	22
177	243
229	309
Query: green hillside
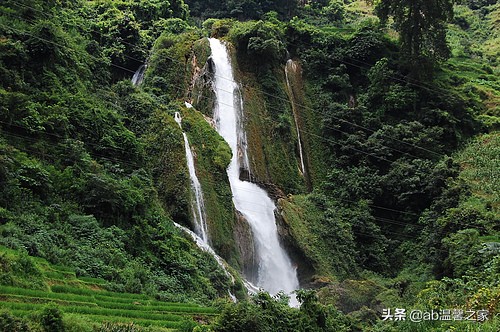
38	295
378	141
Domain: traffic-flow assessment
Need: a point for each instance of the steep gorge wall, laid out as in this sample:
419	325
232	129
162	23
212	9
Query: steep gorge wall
273	149
269	121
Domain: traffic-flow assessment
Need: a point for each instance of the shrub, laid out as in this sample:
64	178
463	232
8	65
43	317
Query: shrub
12	324
51	319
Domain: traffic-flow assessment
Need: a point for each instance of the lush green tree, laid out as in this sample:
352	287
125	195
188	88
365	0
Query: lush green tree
271	313
318	317
463	248
422	27
51	319
477	4
335	10
241	9
258	40
9	322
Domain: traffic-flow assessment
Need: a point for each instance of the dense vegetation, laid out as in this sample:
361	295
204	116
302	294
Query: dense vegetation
79	156
398	115
64	302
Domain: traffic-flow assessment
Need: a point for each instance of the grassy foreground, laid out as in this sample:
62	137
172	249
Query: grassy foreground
34	294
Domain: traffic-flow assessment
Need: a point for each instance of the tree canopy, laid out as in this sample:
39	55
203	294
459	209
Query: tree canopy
422	26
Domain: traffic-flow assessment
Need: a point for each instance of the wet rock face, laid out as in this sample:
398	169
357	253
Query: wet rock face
305	269
246	247
272	190
201	92
304	266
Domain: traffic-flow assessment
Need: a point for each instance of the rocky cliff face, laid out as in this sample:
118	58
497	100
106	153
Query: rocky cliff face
273	162
245	245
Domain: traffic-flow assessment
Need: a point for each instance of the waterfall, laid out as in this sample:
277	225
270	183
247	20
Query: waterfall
290	66
139	75
275	272
198	206
242	136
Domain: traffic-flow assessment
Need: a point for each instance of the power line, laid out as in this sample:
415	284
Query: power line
387	220
312	134
128	163
230	105
44	154
305	132
288	101
356	233
132	165
383	220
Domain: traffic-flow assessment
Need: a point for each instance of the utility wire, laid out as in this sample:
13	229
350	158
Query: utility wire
133	165
357	233
311	134
287	100
303	106
305	132
383	220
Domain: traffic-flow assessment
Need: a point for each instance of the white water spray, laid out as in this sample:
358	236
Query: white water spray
198	206
139	75
290	65
276	272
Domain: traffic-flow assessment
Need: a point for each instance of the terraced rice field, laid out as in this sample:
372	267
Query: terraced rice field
85	298
103	306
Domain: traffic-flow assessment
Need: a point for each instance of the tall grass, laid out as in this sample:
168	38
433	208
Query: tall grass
86	291
43	300
30	295
480	163
178	308
109	298
43	294
98	311
28	310
142	322
95	281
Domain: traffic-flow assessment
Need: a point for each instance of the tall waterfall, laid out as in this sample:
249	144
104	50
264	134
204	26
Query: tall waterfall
291	67
198	206
276	272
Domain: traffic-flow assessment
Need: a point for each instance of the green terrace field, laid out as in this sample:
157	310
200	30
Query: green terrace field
84	301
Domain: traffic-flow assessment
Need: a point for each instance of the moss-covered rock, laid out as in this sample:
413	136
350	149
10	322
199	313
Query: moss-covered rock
270	127
300	216
212	156
167	159
182	63
201	93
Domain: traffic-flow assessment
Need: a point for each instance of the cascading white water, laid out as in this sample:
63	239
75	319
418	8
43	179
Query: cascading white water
139	75
290	65
198	206
198	209
276	272
242	136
